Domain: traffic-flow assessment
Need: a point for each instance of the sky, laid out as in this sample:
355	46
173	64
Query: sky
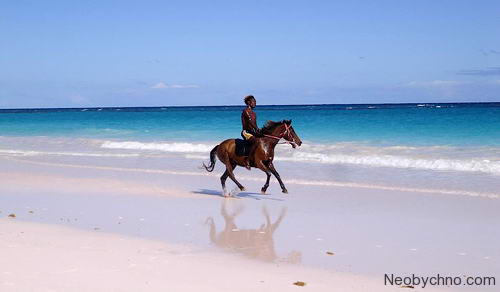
161	53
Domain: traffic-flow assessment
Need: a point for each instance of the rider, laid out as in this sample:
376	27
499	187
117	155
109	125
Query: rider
249	122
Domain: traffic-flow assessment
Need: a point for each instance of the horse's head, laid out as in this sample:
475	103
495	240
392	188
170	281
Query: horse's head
281	130
289	133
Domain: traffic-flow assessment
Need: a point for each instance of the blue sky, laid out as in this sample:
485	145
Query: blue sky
155	53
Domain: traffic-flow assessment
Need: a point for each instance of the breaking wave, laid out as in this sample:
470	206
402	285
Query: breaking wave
167	147
469	165
440	158
44	153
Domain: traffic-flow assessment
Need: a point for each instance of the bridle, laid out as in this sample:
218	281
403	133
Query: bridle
282	135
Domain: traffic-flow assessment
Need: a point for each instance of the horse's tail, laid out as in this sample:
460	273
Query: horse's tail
210	167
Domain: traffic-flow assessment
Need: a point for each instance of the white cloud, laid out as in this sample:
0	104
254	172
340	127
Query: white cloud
159	85
162	85
184	86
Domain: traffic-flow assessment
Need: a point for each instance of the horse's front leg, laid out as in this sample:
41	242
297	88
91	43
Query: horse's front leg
277	175
266	185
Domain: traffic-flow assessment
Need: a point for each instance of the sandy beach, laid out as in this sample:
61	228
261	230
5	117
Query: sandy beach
88	227
40	257
120	123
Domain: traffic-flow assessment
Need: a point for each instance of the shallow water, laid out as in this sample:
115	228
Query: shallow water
367	166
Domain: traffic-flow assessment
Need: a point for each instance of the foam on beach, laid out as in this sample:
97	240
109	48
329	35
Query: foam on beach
469	165
330	183
425	158
470	171
167	147
315	154
66	153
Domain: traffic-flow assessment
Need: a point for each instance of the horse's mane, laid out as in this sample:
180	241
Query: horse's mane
271	125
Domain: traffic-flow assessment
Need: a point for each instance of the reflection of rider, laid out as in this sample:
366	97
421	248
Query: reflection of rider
249	123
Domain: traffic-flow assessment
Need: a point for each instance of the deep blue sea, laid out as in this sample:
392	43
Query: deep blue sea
459	124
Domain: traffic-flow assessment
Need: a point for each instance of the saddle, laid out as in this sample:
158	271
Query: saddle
242	147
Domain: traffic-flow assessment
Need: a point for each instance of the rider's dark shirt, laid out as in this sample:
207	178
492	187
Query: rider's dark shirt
249	121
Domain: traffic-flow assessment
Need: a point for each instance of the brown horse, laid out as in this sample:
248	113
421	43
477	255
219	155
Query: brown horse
261	156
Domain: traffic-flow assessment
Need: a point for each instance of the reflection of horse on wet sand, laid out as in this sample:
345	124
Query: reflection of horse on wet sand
255	243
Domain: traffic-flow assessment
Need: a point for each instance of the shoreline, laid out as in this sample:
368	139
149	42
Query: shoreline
459	171
309	182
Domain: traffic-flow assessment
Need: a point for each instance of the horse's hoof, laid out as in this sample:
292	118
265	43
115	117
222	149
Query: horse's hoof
284	191
242	189
263	191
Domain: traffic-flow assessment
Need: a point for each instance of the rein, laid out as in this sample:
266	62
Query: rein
287	131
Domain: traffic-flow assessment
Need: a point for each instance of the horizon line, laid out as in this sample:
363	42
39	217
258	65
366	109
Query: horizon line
233	105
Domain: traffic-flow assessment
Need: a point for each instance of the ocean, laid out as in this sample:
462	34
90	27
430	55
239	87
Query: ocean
449	148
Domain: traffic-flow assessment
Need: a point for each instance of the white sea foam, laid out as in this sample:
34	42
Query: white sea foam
167	147
44	153
440	158
469	165
291	181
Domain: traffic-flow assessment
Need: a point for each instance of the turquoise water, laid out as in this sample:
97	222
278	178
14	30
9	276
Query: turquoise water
449	148
476	124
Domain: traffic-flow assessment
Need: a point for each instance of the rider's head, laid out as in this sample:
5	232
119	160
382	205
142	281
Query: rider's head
250	101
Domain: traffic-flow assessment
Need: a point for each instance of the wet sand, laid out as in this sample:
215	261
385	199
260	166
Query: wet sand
101	229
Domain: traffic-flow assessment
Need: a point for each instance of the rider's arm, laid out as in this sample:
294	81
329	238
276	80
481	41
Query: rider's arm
251	124
256	132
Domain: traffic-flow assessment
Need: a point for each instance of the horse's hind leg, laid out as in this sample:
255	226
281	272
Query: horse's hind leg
277	175
229	170
223	183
